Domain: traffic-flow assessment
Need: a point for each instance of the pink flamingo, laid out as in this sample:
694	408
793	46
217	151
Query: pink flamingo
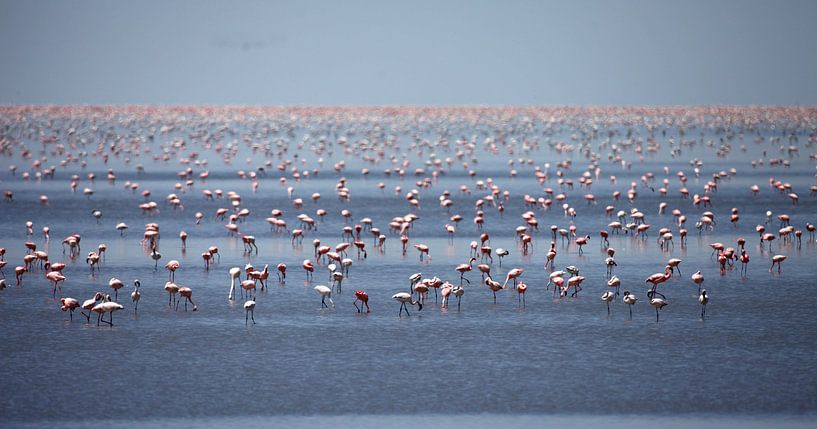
422	248
69	304
521	288
172	266
464	268
513	274
187	294
363	297
657	279
581	241
309	268
777	259
445	291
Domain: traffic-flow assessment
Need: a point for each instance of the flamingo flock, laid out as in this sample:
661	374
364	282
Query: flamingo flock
556	192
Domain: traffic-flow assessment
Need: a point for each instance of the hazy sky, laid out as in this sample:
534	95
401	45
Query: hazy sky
408	52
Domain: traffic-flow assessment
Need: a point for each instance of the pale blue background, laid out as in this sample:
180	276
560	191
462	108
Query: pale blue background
409	52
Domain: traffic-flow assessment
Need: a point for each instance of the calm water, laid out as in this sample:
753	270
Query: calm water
755	354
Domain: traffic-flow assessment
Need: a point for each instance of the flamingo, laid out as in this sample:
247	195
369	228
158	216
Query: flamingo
501	253
744	262
249	311
581	241
309	268
703	299
249	287
574	282
325	293
106	307
337	279
610	263
187	294
608	296
56	277
553	275
657	304
69	304
494	286
115	284
135	296
614	282
551	255
363	297
777	259
521	288
457	291
657	279
630	300
674	264
446	292
171	267
18	272
404	299
155	256
422	248
698	279
89	304
235	274
513	274
464	268
172	289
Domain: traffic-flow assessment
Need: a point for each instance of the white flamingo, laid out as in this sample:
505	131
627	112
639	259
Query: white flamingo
405	298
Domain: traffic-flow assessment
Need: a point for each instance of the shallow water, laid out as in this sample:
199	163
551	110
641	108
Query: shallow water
754	353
